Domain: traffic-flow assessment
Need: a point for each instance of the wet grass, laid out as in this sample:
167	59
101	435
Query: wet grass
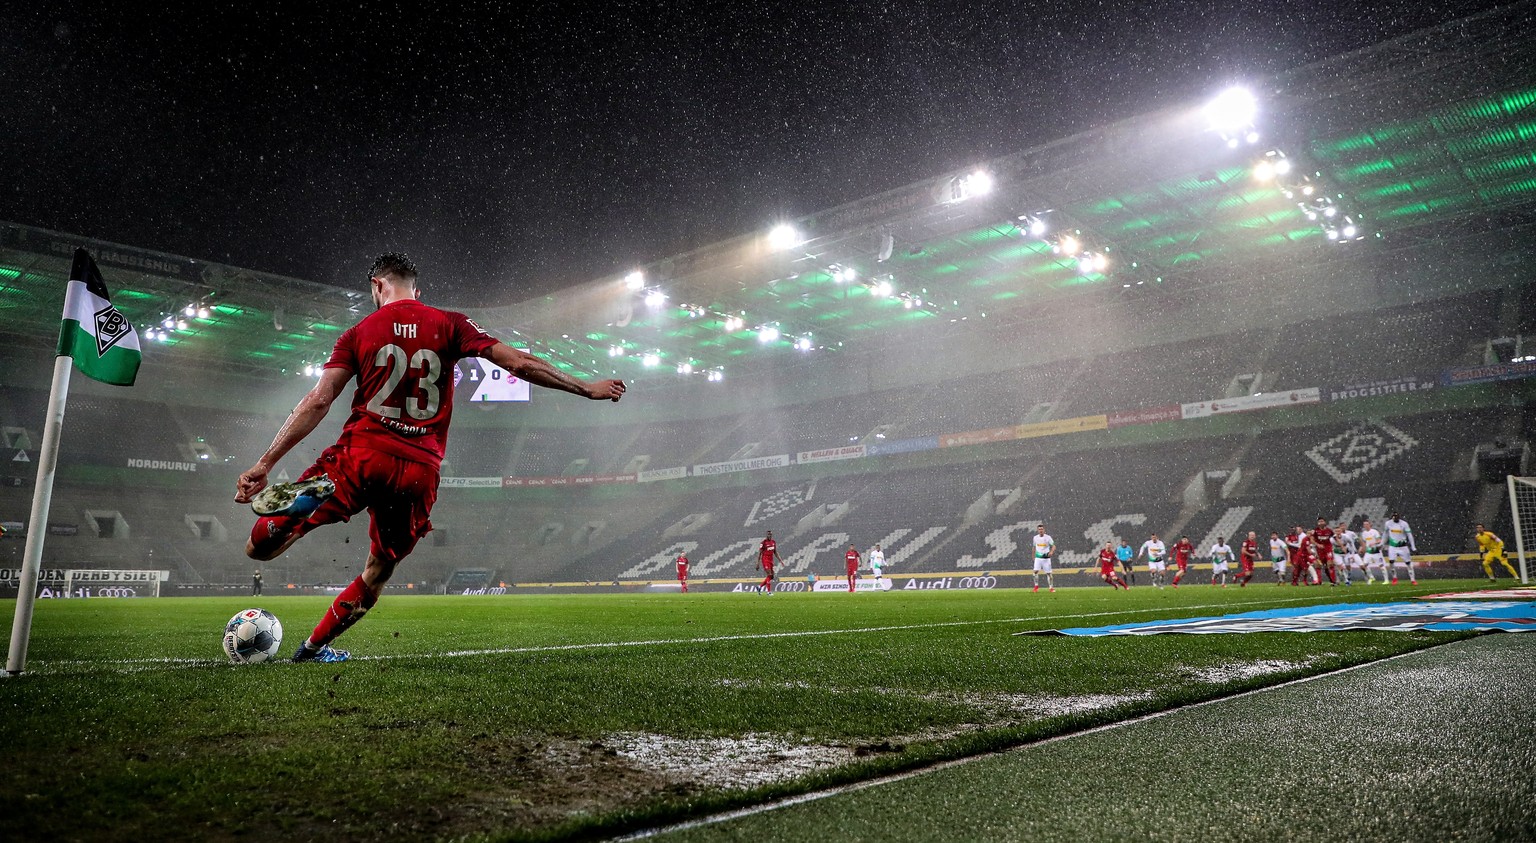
129	726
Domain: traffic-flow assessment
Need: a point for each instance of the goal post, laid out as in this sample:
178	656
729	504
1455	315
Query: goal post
1522	509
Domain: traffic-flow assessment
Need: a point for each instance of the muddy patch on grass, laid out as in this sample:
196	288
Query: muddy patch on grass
1223	673
738	762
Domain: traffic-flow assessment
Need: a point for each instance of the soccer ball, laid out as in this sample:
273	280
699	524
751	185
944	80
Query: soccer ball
254	635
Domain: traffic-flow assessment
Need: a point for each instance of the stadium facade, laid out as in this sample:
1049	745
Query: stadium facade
1186	322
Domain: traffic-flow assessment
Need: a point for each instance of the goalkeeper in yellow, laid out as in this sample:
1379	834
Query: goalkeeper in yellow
1493	551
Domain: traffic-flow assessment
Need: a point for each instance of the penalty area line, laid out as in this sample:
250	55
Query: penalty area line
853	787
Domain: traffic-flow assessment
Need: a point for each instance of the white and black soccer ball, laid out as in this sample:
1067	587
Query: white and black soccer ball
254	635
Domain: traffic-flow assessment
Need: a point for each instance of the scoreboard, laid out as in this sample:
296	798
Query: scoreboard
481	381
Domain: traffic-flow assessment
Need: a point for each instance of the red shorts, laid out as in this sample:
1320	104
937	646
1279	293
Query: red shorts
397	493
1106	570
1182	563
853	569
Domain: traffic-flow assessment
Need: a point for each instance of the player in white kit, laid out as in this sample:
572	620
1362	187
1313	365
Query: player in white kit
1221	560
1371	553
1400	548
1045	548
1278	556
877	562
1157	558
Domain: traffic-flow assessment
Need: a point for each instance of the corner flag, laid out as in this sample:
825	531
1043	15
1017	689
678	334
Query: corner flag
95	333
103	346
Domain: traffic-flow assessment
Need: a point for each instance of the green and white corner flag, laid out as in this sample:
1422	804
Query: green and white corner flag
95	333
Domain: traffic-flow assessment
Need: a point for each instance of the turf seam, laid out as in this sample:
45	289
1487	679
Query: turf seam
892	778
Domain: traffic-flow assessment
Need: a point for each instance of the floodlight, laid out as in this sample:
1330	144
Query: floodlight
883	288
1232	110
202	313
1283	166
615	351
181	324
169	323
655	298
635	280
978	183
1068	245
767	333
783	236
803	343
715	375
1264	171
1100	262
685	368
1037	227
189	310
650	359
733	324
1349	231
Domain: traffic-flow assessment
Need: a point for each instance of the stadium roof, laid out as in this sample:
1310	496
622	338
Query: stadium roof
1413	139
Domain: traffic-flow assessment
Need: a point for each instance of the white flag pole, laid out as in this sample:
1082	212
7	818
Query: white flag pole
37	527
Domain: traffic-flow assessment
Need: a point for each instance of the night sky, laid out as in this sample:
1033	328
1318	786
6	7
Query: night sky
513	152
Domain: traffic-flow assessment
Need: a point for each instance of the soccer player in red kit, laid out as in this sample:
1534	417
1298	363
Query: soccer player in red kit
767	554
1107	564
1322	545
387	458
1182	551
1247	557
851	561
1302	555
682	571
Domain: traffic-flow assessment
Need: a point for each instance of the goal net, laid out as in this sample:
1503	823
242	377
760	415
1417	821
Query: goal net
1522	508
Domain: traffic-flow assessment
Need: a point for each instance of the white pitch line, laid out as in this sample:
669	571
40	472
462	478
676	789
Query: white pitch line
136	665
852	787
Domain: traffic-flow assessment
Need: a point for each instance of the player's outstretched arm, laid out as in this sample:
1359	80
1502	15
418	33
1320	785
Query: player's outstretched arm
540	373
304	418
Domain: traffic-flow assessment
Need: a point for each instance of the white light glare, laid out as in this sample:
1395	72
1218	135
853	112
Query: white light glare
655	298
716	375
202	313
783	236
1349	231
651	359
767	333
1232	110
733	324
978	183
635	280
615	351
803	343
841	274
189	310
883	288
685	368
168	323
1068	245
1037	227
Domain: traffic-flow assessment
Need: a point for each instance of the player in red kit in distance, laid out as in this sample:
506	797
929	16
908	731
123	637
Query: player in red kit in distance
1182	551
1248	556
1107	564
851	562
767	555
387	458
682	571
1322	546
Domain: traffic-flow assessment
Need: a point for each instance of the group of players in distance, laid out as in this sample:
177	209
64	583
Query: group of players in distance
1308	555
768	558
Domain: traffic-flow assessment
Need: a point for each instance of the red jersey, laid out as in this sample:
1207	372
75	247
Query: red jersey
1182	551
852	558
766	551
1250	553
404	357
682	567
1107	561
1322	541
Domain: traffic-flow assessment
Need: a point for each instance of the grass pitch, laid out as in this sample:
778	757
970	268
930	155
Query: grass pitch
558	716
